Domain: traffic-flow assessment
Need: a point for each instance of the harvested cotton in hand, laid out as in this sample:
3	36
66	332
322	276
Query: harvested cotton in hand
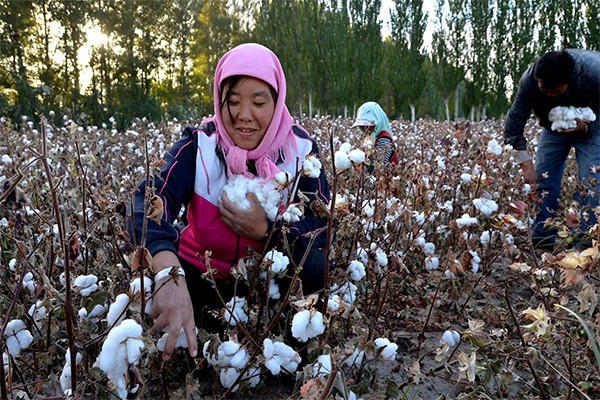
266	190
564	118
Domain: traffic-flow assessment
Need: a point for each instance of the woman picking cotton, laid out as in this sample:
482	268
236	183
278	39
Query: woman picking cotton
251	135
373	121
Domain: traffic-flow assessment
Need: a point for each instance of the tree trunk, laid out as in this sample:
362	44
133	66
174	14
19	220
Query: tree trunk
413	113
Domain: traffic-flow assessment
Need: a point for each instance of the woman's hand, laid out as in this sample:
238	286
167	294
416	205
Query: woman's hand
172	308
581	127
251	223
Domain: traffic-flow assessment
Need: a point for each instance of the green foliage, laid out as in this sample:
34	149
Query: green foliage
158	57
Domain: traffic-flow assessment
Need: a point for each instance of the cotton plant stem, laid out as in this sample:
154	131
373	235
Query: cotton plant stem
58	217
538	382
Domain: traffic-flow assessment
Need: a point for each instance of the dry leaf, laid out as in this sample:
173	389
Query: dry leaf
520	267
156	211
141	260
74	249
572	276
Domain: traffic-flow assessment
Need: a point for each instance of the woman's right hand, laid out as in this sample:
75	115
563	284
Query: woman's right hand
172	307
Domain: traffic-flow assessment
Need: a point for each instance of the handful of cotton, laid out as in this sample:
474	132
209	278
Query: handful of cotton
564	118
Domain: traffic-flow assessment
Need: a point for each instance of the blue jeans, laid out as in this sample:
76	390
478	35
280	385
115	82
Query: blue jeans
552	152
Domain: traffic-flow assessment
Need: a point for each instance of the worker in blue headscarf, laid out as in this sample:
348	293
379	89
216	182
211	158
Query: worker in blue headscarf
373	121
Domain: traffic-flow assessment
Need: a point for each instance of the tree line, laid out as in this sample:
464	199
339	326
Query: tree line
158	56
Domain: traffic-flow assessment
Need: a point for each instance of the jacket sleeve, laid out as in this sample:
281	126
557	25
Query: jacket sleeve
518	115
311	224
174	186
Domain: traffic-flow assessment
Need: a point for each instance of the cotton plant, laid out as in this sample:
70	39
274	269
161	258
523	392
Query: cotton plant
564	117
123	346
280	357
18	338
273	292
65	376
86	284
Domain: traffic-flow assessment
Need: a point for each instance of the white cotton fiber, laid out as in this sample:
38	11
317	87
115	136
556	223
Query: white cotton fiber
564	118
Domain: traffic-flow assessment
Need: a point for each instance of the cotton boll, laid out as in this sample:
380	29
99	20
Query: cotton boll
475	261
429	248
347	291
451	337
322	366
346	147
333	303
121	347
356	359
466	220
356	270
381	257
292	214
485	206
134	288
312	166
280	356
466	177
17	337
235	308
252	376
494	147
37	311
116	311
86	284
65	376
306	326
432	263
356	156
565	117
28	282
387	349
341	160
284	178
228	376
274	290
5	363
485	238
182	341
279	261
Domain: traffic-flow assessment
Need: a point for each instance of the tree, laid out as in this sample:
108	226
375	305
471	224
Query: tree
406	74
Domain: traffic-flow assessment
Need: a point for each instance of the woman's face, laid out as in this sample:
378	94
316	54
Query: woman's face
247	111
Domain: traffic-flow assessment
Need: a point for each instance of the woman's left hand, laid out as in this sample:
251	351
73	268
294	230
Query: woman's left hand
251	222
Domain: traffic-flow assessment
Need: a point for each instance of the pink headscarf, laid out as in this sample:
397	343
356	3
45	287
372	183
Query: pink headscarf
257	61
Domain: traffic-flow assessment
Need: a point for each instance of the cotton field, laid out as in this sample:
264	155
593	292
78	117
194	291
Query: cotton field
436	288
